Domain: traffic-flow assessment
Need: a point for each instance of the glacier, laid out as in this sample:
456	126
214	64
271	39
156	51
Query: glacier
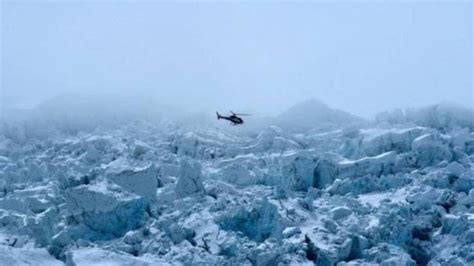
333	190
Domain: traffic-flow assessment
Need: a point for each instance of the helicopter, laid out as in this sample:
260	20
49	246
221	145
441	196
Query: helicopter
234	118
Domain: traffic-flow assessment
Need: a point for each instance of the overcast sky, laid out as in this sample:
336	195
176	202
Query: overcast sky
362	57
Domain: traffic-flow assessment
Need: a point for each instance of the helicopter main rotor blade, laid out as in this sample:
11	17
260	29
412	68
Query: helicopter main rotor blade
237	113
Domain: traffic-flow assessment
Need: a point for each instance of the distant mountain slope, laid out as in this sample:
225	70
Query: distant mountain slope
77	112
312	113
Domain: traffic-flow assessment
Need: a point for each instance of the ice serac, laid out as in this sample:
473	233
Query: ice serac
382	164
298	170
442	116
326	170
99	256
35	199
258	222
238	174
340	212
138	180
106	208
388	255
190	180
272	138
332	166
379	141
430	149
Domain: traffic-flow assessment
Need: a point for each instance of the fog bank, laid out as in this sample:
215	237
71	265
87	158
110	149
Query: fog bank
262	58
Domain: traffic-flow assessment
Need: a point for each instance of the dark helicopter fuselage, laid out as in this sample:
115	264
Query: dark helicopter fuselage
232	118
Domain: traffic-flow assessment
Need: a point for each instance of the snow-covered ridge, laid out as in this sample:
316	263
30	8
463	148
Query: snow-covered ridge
162	193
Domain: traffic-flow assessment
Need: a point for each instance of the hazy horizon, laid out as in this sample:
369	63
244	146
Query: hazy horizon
263	58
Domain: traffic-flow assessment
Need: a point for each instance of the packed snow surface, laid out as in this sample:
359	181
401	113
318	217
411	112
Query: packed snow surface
395	192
